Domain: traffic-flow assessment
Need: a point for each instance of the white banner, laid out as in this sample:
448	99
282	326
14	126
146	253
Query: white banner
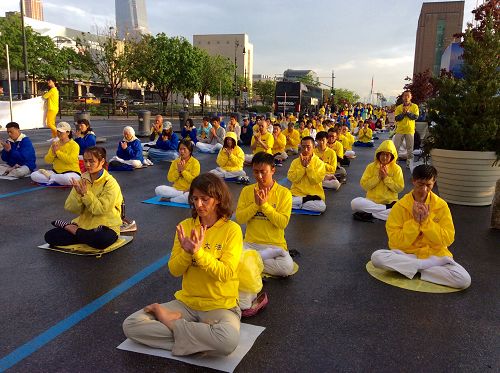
28	113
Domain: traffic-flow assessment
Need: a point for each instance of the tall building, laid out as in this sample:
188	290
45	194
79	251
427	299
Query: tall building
33	9
235	47
131	18
437	24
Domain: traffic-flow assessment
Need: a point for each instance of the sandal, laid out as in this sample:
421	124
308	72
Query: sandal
258	304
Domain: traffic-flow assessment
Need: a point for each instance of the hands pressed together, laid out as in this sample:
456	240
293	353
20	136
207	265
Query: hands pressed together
193	243
420	212
261	195
80	186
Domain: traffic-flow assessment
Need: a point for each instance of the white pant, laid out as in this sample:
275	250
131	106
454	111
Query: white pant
293	150
223	174
248	158
398	139
278	266
61	179
208	148
15	172
281	156
246	299
349	153
318	205
131	162
175	195
378	211
331	184
451	274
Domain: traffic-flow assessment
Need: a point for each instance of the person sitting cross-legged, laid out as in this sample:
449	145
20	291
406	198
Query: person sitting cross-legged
279	144
365	135
307	173
230	159
18	153
213	142
181	173
262	141
329	157
166	145
129	151
383	181
420	229
292	139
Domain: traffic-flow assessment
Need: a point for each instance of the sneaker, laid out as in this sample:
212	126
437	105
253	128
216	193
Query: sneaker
278	163
363	216
148	162
128	226
243	180
257	305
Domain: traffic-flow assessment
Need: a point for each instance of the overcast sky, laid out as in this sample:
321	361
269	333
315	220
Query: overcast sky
358	39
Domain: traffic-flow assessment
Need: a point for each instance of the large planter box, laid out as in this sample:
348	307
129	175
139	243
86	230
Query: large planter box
464	177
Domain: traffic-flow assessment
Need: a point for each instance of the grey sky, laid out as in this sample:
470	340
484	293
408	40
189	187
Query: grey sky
357	39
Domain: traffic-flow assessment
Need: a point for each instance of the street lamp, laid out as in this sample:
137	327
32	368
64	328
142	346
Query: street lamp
236	45
245	88
25	54
69	79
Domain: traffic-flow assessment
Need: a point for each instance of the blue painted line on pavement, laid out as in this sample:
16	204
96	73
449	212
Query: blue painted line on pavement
39	341
22	191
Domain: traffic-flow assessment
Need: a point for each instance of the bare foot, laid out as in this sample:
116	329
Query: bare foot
163	315
71	228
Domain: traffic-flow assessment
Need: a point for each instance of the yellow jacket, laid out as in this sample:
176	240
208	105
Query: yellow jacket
406	125
387	190
347	140
365	134
182	181
210	276
279	144
307	180
292	139
265	224
101	205
338	147
65	159
52	97
329	157
303	133
233	162
432	237
267	139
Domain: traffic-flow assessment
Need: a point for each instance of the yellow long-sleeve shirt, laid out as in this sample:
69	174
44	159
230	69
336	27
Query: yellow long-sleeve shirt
266	223
65	159
431	237
365	134
279	144
338	148
182	180
233	162
303	133
307	180
383	191
210	276
329	157
347	140
292	139
101	205
267	139
52	97
406	125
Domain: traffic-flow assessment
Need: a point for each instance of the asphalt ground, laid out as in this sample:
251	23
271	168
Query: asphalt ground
331	316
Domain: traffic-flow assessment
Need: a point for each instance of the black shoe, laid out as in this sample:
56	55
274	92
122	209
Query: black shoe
294	253
363	216
310	198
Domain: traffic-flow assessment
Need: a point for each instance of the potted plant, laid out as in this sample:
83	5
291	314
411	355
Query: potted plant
464	140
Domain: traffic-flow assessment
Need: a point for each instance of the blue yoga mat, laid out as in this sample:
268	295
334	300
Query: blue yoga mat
305	212
156	201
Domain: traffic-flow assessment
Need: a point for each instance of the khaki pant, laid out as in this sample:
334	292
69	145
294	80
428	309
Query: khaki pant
215	331
15	172
398	140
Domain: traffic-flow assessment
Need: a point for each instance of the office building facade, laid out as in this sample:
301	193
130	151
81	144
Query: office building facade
33	9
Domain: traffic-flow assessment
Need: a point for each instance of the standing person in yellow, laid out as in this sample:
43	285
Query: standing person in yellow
207	249
230	159
420	229
262	141
292	139
181	173
52	98
63	156
405	116
279	145
329	157
306	174
383	181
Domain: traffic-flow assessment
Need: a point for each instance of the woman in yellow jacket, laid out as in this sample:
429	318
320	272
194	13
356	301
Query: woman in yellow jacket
97	199
63	155
365	136
181	173
207	249
52	98
383	181
230	159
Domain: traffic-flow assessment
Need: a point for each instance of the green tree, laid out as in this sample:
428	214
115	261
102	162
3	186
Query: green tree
265	89
308	79
343	96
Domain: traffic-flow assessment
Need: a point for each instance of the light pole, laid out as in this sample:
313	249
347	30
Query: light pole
245	87
25	54
236	45
69	79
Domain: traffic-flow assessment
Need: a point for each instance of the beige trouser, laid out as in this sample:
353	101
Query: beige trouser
15	172
278	266
215	331
223	174
398	140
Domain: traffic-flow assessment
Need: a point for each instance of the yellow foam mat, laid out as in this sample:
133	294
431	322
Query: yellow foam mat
396	279
295	270
82	249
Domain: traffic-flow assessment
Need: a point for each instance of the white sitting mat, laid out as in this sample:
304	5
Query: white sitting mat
248	336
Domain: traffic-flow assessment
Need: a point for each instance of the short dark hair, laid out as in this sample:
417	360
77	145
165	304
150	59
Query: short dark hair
331	129
98	152
307	138
276	124
214	187
424	172
12	125
321	135
190	122
206	119
51	78
188	144
263	158
86	122
215	119
233	116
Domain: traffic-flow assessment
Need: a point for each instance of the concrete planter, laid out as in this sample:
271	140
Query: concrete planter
465	177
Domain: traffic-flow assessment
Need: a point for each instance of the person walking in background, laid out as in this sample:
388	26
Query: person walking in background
52	99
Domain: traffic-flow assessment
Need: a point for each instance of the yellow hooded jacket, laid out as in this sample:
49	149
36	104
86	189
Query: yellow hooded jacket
292	139
233	162
329	157
347	140
365	134
209	276
101	205
307	180
431	237
182	181
406	126
338	148
383	191
65	159
279	144
266	223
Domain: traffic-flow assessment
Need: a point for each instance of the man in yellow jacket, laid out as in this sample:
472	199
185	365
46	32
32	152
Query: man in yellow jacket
262	141
405	116
292	139
279	145
420	229
329	157
383	181
306	174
